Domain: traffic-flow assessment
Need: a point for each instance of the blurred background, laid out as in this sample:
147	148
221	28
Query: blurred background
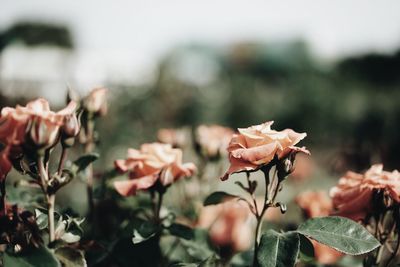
329	68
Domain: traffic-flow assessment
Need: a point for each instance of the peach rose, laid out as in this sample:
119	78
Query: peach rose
45	124
213	140
257	145
352	197
96	101
229	225
318	204
153	162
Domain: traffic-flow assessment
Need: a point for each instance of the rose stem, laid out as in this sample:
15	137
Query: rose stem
158	207
89	147
49	197
62	160
259	216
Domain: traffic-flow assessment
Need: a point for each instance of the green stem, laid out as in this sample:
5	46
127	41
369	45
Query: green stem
44	178
89	147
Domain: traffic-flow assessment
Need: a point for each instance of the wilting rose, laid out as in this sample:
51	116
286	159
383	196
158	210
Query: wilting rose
318	204
153	162
213	140
174	137
229	225
44	124
353	196
257	145
96	101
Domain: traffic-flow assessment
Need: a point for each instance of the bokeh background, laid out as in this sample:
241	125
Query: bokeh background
328	68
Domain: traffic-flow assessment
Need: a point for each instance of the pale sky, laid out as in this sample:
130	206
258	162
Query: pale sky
129	36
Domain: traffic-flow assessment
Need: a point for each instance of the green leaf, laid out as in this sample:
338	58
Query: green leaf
36	257
83	162
70	257
181	231
217	197
339	233
278	250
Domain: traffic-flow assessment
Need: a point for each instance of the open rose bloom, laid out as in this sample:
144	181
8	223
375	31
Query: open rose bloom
353	196
154	162
258	145
318	204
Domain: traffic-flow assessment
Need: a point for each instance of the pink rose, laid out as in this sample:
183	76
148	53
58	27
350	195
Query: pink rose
352	197
153	162
257	145
213	140
96	101
229	225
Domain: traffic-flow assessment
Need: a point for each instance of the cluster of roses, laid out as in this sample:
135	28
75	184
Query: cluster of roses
28	135
249	150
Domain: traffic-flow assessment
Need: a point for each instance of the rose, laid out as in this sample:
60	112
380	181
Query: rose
154	162
13	124
229	225
353	196
44	124
258	145
96	101
318	204
213	140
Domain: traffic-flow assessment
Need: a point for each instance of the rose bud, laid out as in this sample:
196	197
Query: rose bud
71	126
70	129
96	102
